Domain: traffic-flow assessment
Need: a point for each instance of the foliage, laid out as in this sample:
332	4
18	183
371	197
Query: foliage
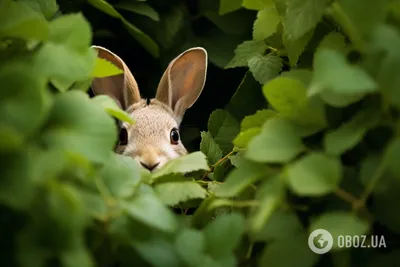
309	139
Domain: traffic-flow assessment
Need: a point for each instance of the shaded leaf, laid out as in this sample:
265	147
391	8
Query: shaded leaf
210	148
265	68
139	8
224	128
173	193
245	51
111	107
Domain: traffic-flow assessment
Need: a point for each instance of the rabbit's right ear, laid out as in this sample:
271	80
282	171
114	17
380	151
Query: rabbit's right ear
123	87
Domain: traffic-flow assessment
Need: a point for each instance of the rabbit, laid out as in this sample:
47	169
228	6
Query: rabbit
154	138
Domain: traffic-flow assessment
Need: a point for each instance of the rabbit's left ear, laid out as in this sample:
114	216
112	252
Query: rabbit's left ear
183	80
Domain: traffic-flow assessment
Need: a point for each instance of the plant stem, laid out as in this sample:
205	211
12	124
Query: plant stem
346	196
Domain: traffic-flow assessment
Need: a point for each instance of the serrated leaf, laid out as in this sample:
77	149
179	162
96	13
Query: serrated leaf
245	137
340	223
139	8
224	128
78	125
315	174
257	4
223	234
257	119
245	51
288	96
210	148
265	68
277	143
302	16
173	193
20	21
112	108
191	162
104	68
227	6
349	134
266	23
148	209
333	74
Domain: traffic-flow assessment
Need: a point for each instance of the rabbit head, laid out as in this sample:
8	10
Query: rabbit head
154	138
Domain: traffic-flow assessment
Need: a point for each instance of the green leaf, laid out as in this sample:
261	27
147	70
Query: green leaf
292	251
242	177
266	23
235	23
140	36
288	96
245	137
340	224
191	245
349	134
111	107
265	68
47	7
210	148
257	119
224	128
302	16
315	174
295	47
223	234
139	8
191	162
269	195
277	143
78	125
335	41
391	156
227	6
104	68
20	21
148	209
174	193
245	51
333	74
257	4
247	92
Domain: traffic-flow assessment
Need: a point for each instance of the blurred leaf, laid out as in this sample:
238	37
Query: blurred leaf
242	177
223	234
104	68
296	47
139	8
20	21
391	155
333	74
266	23
265	68
227	6
257	119
140	36
302	16
246	136
78	125
277	143
174	193
288	96
257	4
334	41
349	134
148	209
292	251
191	162
315	174
47	7
235	23
340	224
210	148
224	128
191	246
111	107
245	51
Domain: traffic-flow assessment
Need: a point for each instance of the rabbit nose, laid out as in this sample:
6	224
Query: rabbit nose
150	167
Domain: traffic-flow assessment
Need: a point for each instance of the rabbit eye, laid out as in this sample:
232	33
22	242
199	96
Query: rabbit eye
174	136
123	137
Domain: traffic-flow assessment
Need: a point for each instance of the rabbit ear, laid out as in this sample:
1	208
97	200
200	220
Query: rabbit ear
183	80
123	87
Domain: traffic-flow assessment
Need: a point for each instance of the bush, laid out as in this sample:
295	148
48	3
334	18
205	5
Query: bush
308	140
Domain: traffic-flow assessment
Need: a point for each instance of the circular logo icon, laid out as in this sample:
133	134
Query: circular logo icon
320	241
